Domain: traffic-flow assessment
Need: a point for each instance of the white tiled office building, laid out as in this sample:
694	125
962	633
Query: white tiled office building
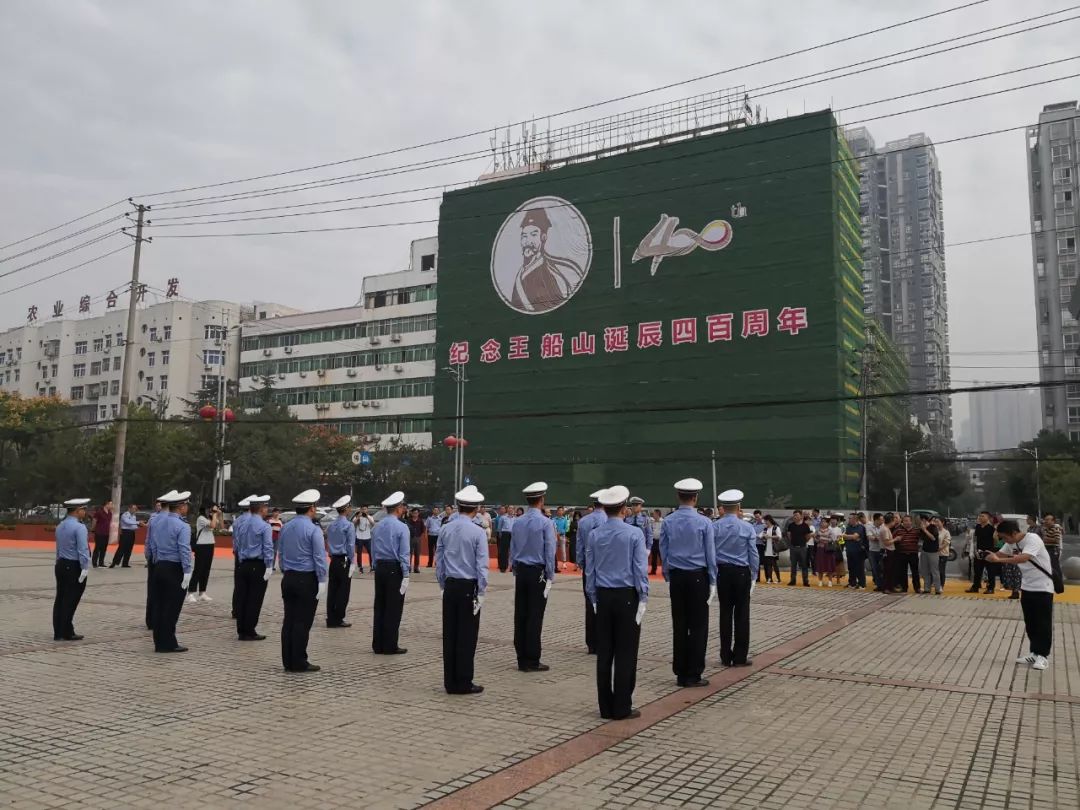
180	348
366	370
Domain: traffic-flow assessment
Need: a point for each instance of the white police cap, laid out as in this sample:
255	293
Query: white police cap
636	500
342	502
730	497
175	497
394	499
258	499
615	496
246	502
535	489
308	497
75	503
167	497
469	496
596	495
689	485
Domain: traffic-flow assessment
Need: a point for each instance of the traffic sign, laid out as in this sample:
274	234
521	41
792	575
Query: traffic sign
356	457
365	458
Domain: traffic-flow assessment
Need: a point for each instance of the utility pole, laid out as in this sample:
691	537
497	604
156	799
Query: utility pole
864	389
125	380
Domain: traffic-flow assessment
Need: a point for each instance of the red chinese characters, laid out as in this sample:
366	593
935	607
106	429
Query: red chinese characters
490	351
792	320
584	343
649	334
519	348
718	327
616	338
683	330
755	323
459	353
551	346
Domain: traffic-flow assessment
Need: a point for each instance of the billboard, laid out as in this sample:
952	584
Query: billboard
630	318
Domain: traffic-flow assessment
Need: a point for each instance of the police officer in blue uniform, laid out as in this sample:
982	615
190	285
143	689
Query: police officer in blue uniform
688	559
237	526
639	518
532	559
71	569
433	523
148	554
736	567
461	566
253	543
390	553
302	553
619	591
173	565
340	542
581	557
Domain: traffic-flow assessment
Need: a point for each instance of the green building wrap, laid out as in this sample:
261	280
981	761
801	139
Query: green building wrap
622	318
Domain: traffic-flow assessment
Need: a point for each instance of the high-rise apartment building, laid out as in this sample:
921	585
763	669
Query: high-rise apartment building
904	282
1052	151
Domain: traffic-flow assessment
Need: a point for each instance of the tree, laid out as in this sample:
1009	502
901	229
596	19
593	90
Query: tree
935	477
36	435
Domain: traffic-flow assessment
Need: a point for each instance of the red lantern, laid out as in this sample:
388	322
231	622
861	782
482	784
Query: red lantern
450	441
229	416
207	412
463	442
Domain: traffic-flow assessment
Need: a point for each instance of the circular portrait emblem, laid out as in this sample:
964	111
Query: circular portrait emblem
541	255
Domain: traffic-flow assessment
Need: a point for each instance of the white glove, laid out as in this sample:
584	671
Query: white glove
83	575
595	608
640	612
712	595
547	588
404	586
352	570
185	582
269	572
752	584
319	594
478	603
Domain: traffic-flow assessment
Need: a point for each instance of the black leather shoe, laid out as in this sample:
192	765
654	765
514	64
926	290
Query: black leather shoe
537	668
475	690
398	651
747	663
688	684
634	713
253	637
177	648
343	624
310	668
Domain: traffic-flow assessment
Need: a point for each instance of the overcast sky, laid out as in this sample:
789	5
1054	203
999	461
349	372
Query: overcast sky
106	99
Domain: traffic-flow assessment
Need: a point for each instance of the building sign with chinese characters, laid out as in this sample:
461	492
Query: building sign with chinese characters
621	318
110	300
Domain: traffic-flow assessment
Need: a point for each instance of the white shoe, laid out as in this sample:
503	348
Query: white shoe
829	584
205	597
1030	658
1040	662
192	599
820	584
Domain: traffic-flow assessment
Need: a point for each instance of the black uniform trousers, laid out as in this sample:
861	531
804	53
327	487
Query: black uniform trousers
149	594
733	590
590	619
300	594
204	559
1038	608
68	593
338	590
617	639
529	606
389	604
101	545
689	622
432	544
503	551
122	555
168	600
460	629
992	569
250	592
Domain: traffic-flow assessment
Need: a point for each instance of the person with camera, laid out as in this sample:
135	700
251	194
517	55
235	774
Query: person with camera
1029	554
208	522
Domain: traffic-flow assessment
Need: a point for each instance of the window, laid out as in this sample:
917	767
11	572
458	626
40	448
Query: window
1067	270
76	393
108	341
1040	269
1065	221
1065	293
80	347
1071	340
1074	414
54	369
119	338
213	357
16	375
95	368
1062	175
150	358
1059	130
163	383
1059	152
153	333
165	357
116	364
149	383
99	344
209	381
52	390
166	332
78	370
1072	390
114	410
427	261
103	411
114	387
1066	245
215	332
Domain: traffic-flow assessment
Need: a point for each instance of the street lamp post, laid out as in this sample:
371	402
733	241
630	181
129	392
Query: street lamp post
458	373
907	490
1038	483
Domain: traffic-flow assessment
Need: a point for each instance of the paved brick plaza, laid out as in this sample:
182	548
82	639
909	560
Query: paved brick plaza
855	700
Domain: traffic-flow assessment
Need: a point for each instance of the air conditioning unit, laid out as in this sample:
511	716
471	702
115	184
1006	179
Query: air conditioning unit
378	366
208	368
399	369
321	372
217	341
281	376
375	340
364	403
303	373
254	377
267	353
350	372
288	350
107	349
376	404
395	338
322	406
